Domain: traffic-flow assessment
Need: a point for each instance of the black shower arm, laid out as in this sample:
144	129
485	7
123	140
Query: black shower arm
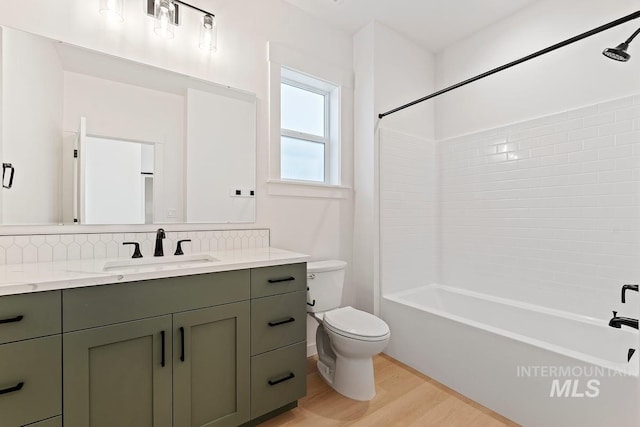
620	21
633	36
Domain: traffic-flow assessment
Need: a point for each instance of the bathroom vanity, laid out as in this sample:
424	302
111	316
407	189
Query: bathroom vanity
219	343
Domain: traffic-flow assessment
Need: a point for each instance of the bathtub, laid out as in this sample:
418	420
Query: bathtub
535	365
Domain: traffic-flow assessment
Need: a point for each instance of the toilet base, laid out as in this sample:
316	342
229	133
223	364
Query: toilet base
354	378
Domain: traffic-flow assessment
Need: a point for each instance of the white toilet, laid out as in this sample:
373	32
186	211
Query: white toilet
346	338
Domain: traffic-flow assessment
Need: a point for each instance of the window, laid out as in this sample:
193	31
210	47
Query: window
305	121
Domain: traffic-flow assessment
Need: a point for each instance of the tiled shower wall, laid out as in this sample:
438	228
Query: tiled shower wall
549	205
62	247
408	211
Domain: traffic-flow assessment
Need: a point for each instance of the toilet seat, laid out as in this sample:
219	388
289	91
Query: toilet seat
356	324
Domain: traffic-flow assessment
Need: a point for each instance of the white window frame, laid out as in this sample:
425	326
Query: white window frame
326	140
338	82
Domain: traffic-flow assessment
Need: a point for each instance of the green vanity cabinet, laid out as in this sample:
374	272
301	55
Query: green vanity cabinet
119	375
51	422
30	358
188	367
211	366
30	381
278	337
211	350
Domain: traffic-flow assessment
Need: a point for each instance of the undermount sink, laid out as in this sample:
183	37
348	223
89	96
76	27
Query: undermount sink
131	263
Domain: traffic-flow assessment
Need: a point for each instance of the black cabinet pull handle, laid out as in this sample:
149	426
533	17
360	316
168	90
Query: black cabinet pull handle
162	359
12	319
16	387
181	344
282	322
311	304
6	166
281	380
283	279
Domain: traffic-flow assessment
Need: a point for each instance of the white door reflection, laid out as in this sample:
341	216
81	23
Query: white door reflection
117	181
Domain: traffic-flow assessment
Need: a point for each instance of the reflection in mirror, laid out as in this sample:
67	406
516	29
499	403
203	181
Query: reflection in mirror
117	182
199	135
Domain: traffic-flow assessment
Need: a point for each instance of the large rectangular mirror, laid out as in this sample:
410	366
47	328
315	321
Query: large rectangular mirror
89	138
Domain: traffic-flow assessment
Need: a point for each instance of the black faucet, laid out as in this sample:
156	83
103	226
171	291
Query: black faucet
617	322
626	288
159	236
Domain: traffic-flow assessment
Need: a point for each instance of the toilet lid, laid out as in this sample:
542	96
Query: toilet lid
355	323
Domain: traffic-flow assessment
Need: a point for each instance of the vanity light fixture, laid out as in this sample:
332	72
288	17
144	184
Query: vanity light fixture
112	9
166	13
208	33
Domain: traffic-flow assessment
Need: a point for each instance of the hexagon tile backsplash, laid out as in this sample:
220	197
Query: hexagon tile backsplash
32	248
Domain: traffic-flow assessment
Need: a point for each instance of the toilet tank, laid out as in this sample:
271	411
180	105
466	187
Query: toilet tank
325	280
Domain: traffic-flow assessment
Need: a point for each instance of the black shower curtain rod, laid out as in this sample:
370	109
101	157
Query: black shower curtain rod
574	39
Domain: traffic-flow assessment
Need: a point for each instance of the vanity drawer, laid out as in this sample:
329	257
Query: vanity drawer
278	321
33	369
278	378
27	316
278	279
89	307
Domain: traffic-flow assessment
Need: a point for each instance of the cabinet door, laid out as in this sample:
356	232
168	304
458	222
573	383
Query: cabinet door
211	366
118	375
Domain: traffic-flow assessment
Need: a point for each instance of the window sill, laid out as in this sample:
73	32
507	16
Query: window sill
276	187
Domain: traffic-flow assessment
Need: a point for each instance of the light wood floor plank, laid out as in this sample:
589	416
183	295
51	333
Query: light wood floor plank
404	397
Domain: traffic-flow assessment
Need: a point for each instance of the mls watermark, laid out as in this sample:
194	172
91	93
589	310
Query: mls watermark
571	381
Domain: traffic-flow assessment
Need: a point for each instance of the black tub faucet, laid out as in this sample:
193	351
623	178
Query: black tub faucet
617	322
626	288
160	234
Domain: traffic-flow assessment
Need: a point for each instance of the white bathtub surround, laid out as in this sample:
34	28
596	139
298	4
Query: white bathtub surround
546	207
42	248
48	276
537	229
536	366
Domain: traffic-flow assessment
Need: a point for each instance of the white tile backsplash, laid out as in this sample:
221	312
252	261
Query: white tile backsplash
558	208
33	248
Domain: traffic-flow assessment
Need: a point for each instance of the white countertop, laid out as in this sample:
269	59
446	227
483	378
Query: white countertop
25	278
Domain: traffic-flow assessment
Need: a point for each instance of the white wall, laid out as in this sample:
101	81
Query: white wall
31	129
571	77
390	70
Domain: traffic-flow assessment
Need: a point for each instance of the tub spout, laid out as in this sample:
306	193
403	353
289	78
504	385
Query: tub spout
617	322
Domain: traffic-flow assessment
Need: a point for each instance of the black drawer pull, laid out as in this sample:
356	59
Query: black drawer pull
283	279
162	361
281	380
16	387
282	322
181	344
12	320
312	304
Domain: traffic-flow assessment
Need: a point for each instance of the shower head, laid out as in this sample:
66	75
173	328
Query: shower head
619	53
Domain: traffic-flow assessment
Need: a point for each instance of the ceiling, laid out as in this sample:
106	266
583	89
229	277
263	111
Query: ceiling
432	23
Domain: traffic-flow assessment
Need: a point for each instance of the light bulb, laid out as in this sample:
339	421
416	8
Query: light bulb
112	9
209	33
165	12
